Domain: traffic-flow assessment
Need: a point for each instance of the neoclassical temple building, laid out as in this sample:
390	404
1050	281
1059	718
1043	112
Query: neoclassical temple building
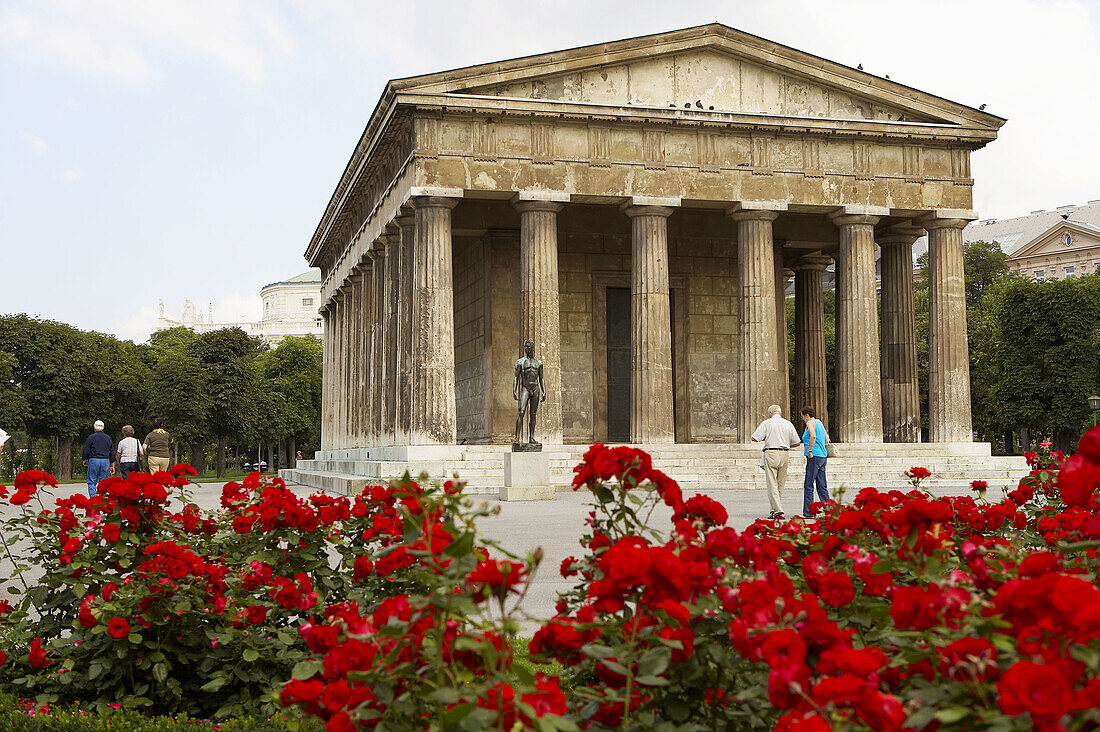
637	209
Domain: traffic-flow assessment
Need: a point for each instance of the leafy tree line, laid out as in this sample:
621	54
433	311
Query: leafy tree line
1034	350
222	386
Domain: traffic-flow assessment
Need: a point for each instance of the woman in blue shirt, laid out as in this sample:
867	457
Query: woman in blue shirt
814	440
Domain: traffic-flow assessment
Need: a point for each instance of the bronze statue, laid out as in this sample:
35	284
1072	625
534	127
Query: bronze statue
529	390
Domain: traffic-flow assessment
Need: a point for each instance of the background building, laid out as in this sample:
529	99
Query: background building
1057	244
289	309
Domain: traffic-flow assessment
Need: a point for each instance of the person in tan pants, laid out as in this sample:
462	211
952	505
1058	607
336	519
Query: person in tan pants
778	436
158	447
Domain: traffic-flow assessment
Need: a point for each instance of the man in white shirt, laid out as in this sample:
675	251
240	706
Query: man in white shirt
778	436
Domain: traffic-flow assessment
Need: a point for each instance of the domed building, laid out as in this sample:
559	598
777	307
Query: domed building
289	309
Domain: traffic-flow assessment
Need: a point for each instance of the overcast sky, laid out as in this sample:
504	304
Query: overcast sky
171	149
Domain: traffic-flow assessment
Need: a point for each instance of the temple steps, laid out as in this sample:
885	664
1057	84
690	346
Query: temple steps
696	467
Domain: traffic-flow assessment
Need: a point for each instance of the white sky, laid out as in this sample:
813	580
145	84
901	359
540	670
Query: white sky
186	148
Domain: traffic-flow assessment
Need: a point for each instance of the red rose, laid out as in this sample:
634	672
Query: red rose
1035	688
256	614
1078	480
118	628
703	508
3	658
1089	446
500	576
969	659
37	656
568	567
180	469
155	491
363	568
835	589
21	496
783	649
111	533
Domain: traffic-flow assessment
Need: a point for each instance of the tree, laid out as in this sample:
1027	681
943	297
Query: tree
180	389
226	355
52	361
293	372
1046	355
985	264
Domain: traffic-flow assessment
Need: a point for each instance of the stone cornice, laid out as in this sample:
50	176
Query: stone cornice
975	136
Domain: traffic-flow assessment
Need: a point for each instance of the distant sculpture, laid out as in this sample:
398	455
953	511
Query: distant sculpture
529	390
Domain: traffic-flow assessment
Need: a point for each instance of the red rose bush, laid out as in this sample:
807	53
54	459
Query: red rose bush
892	611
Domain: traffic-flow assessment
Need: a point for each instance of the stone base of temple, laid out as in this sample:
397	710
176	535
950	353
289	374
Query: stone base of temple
696	467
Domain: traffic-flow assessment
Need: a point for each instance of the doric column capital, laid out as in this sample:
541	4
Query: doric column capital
755	210
900	234
933	224
947	218
524	206
787	273
812	263
839	218
632	210
539	200
434	201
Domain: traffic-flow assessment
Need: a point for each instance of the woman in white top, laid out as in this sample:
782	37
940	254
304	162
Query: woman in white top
129	452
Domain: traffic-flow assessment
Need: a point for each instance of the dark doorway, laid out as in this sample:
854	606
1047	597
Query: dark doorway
618	364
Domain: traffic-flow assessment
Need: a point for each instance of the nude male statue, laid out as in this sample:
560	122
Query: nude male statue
529	390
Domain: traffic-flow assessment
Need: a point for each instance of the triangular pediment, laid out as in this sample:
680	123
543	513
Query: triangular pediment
707	68
1065	236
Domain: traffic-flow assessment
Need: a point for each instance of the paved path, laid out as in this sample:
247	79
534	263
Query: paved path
555	526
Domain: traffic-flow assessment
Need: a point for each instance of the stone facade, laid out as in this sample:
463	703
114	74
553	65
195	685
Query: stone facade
637	209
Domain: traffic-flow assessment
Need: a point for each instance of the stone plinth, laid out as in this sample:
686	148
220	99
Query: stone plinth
527	477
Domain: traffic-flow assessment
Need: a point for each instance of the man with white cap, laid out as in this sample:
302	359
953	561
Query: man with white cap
99	453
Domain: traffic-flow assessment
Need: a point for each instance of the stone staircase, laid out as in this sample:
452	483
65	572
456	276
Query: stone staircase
696	467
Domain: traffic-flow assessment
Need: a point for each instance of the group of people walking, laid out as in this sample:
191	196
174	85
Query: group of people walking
102	457
780	436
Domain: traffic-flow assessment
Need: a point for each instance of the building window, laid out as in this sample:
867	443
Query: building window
319	323
1040	275
1069	240
307	302
267	306
1098	266
1069	272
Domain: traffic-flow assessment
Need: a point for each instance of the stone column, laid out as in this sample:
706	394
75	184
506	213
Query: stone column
364	382
651	415
538	266
757	344
434	411
339	395
389	334
948	356
354	363
858	387
811	385
403	257
900	388
326	376
379	374
783	374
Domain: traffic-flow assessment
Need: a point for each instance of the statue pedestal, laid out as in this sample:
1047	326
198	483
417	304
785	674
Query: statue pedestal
526	477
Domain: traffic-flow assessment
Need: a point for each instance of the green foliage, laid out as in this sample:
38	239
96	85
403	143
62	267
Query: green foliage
1045	354
18	717
179	388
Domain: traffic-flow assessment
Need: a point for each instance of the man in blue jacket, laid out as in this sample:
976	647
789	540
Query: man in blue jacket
99	454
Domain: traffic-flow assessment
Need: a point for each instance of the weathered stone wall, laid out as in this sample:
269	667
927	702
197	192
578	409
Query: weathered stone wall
710	267
471	329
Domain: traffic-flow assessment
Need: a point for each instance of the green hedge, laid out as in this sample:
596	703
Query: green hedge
14	717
